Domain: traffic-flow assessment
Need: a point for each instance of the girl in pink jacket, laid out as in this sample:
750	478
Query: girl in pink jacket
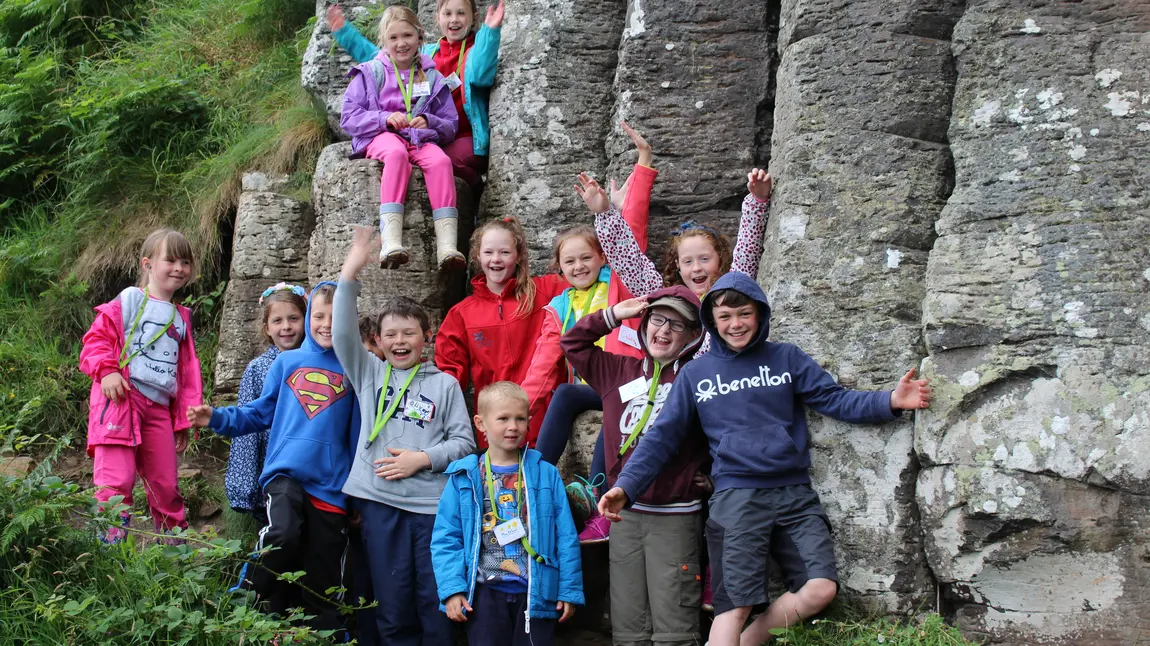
145	373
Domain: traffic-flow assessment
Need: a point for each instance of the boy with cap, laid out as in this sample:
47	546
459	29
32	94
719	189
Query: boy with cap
654	571
748	396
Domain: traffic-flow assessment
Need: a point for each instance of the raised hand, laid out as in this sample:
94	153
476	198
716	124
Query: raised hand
494	19
397	121
364	247
593	195
759	184
114	386
335	19
641	144
911	393
199	416
612	503
619	193
629	308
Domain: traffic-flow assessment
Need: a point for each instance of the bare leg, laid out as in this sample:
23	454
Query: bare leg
789	609
727	626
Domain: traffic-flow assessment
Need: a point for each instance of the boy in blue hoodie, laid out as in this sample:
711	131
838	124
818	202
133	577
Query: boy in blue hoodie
308	405
504	547
748	395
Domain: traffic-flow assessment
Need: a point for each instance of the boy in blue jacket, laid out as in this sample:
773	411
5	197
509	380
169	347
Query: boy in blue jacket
748	396
308	405
504	549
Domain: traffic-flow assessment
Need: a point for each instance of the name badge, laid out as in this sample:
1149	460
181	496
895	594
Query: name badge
453	81
421	89
510	531
629	337
419	411
633	389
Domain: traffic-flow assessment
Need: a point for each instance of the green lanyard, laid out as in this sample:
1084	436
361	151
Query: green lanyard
518	500
571	306
125	357
405	92
381	416
459	65
646	410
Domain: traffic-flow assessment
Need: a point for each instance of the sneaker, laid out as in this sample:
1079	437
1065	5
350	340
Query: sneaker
582	502
708	598
597	530
115	534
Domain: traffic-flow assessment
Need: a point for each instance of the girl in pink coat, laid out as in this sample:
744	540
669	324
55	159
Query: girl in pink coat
145	373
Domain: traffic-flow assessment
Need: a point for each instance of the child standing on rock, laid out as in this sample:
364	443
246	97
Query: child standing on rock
398	109
145	373
467	60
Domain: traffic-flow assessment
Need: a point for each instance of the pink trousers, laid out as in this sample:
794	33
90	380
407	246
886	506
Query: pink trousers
116	466
467	165
397	156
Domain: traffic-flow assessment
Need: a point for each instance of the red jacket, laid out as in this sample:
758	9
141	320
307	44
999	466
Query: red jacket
114	423
482	341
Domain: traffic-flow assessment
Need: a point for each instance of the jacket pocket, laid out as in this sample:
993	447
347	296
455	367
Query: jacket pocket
756	450
690	585
109	420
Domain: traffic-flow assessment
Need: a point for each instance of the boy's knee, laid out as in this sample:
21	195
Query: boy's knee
819	593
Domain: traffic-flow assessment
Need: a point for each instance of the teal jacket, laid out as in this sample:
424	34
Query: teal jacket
478	73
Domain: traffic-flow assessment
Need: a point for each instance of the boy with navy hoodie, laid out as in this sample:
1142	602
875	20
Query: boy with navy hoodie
504	548
308	405
748	396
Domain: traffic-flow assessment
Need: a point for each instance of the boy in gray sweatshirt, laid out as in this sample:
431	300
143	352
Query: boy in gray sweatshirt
414	423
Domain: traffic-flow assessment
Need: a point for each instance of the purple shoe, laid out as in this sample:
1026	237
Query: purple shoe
597	530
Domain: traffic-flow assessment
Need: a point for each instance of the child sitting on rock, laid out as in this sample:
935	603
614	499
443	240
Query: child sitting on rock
398	109
748	396
505	552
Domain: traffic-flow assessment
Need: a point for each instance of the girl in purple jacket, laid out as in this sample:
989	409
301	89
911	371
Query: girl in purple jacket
398	109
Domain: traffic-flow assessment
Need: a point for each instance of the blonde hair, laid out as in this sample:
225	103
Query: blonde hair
501	391
585	231
439	4
524	286
400	13
720	242
170	242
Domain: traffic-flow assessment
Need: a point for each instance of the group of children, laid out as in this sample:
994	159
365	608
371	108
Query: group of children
347	442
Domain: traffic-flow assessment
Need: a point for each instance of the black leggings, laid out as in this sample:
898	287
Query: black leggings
568	402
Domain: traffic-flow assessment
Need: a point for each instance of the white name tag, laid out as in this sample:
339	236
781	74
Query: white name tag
510	531
453	81
629	337
421	89
420	411
633	389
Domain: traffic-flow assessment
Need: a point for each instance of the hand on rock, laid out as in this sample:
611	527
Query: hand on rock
911	393
759	184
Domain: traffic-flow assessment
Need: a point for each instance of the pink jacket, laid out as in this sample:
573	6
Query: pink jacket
112	422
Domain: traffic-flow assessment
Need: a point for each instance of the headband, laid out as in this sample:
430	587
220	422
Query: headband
691	224
280	287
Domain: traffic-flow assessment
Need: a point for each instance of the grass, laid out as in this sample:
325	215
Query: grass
846	628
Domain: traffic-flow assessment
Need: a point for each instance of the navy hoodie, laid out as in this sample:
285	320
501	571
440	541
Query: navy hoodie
308	405
750	406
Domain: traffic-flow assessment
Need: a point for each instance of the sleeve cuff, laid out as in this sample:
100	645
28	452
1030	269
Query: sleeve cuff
105	371
217	422
628	485
438	460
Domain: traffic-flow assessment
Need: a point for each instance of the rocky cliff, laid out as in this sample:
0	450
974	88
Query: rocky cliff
961	187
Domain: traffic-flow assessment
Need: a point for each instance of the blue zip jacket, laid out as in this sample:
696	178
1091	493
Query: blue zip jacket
308	405
550	530
478	73
750	404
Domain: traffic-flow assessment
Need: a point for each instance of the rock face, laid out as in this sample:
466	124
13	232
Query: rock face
346	194
1036	467
270	246
550	112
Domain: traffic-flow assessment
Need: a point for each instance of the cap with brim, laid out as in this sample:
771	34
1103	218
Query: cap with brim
689	312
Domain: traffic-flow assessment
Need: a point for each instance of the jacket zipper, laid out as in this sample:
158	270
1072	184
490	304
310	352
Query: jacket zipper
501	310
107	403
530	561
475	552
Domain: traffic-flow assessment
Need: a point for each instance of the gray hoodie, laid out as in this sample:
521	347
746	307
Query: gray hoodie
446	437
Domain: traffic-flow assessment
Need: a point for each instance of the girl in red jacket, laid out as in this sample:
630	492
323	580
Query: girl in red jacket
145	373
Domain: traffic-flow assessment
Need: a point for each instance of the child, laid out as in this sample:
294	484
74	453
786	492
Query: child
655	571
490	335
697	255
414	424
398	109
145	372
467	62
368	333
307	404
509	565
747	395
282	309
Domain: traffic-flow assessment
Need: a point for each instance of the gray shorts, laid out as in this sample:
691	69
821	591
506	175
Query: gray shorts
748	527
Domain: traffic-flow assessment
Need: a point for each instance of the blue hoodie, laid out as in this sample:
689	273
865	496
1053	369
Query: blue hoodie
750	406
310	409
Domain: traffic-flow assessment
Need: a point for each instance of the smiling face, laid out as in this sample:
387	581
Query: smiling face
498	258
166	274
402	339
455	18
699	264
402	40
580	262
664	342
504	422
736	326
319	320
284	325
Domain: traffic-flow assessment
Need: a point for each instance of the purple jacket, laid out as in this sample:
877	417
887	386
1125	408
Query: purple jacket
366	107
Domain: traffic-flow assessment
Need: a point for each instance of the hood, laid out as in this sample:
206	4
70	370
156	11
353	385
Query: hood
425	61
309	343
678	291
740	282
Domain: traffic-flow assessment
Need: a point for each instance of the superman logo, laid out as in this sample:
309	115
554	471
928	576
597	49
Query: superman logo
316	389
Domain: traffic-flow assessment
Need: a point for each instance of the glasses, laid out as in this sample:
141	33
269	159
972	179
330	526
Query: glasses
658	320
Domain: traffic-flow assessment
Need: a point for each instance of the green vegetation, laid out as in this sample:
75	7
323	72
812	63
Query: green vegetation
842	627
